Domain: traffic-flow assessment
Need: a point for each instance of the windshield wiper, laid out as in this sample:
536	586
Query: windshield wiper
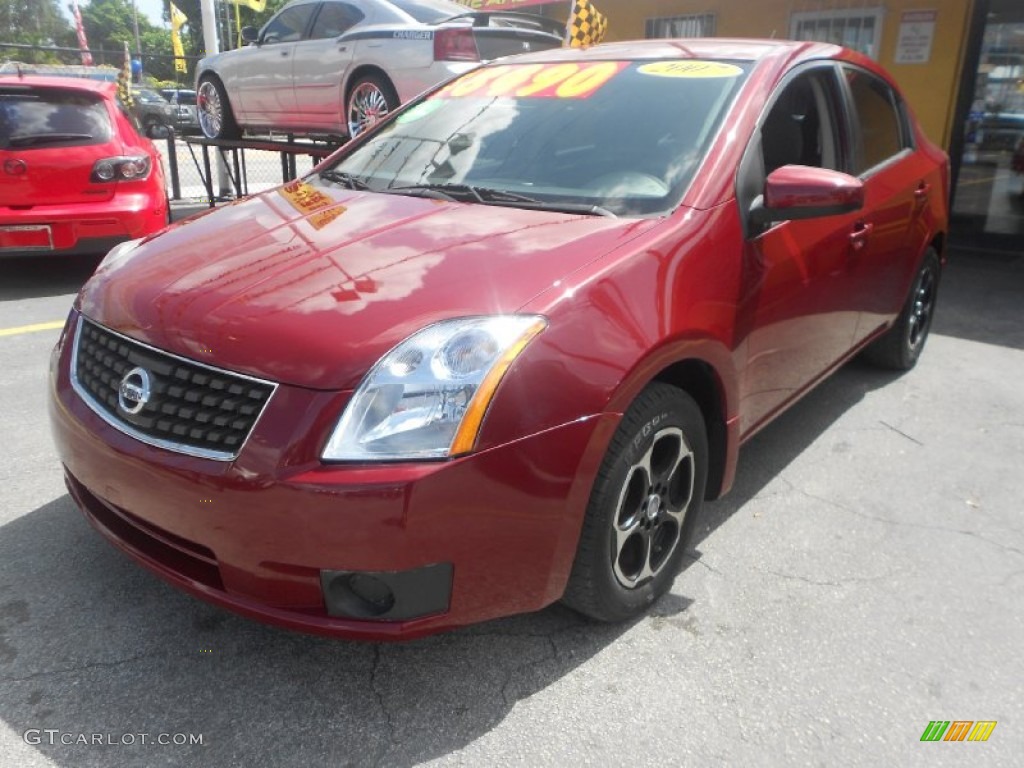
488	196
341	177
26	139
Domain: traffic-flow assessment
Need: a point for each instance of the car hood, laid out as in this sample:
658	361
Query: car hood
310	285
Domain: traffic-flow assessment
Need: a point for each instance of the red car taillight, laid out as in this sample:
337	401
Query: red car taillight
455	45
132	168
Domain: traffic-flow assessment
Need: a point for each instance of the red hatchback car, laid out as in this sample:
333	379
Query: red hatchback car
75	175
497	351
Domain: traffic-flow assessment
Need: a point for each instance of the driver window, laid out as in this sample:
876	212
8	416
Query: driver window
288	25
800	129
335	18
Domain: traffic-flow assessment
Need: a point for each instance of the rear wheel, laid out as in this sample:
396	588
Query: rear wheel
643	507
371	98
900	347
216	120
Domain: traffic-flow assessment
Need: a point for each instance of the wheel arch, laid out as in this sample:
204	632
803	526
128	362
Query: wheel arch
704	370
365	70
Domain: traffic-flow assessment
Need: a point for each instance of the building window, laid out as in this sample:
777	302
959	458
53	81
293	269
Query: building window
856	28
694	25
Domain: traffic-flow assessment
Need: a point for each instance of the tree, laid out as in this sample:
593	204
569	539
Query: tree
33	22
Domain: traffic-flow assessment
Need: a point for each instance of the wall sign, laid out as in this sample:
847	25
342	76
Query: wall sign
917	31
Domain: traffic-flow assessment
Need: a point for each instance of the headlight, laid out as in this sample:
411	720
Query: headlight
427	397
118	254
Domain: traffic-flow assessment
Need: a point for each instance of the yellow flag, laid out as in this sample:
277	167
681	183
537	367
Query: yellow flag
586	25
257	5
178	19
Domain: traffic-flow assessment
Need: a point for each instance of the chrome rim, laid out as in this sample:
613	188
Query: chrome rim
921	310
366	106
651	508
211	110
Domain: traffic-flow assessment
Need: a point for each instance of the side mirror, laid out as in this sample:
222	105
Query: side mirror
801	192
250	35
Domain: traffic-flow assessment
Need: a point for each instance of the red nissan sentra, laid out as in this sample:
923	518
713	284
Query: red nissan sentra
75	175
496	352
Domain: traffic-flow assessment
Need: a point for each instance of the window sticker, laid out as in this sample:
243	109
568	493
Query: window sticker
540	81
690	69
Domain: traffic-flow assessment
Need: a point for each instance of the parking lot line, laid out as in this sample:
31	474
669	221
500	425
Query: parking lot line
20	329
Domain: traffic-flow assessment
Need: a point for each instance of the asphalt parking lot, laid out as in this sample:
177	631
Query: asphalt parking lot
863	578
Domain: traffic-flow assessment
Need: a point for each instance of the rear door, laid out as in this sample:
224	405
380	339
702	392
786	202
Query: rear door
320	65
897	185
50	139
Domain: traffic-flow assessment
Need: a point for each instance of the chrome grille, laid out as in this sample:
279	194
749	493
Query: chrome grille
191	408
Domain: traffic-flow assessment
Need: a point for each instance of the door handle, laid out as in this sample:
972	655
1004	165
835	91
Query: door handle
861	233
284	54
921	194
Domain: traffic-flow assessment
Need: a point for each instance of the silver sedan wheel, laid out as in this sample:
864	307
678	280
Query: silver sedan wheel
366	106
210	110
651	508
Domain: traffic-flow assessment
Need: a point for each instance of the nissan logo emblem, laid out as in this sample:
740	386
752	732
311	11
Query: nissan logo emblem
133	392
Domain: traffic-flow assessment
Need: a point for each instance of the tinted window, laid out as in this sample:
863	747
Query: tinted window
289	25
877	117
149	97
430	11
335	18
47	118
555	133
800	128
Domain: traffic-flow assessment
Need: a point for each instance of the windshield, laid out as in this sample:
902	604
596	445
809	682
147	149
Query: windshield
622	137
43	117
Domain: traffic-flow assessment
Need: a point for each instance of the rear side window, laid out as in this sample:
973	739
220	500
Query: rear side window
878	117
52	117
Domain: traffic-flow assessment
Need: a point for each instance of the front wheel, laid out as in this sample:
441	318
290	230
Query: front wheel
643	507
216	120
370	100
900	347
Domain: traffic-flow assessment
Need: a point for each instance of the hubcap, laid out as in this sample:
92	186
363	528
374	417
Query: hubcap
921	310
366	106
211	110
651	508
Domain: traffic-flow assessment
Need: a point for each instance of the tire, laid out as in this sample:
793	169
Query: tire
216	119
370	98
643	507
900	347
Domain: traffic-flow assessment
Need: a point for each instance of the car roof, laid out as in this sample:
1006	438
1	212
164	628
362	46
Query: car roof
691	48
103	87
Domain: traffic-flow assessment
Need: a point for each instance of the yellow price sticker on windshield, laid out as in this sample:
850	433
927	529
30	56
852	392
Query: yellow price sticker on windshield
690	69
562	81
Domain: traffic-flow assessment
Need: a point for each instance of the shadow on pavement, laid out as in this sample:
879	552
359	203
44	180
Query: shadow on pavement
981	298
31	277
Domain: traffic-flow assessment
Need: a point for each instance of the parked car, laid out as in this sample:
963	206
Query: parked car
186	117
75	175
153	112
335	67
497	351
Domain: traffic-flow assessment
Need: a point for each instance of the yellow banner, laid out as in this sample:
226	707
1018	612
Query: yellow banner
178	20
257	5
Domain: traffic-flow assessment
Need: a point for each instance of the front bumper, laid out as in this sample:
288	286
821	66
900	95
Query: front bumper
268	534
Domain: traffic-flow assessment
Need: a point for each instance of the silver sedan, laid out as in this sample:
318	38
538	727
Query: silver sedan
335	67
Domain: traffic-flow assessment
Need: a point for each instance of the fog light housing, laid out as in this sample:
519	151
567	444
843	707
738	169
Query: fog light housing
387	595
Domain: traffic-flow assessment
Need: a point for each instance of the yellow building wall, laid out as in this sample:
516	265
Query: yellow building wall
931	89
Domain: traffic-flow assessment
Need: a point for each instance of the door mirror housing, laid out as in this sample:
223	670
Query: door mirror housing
250	35
802	192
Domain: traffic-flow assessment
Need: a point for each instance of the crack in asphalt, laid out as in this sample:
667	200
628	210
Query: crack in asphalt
85	667
900	523
513	672
700	561
814	582
383	706
900	432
